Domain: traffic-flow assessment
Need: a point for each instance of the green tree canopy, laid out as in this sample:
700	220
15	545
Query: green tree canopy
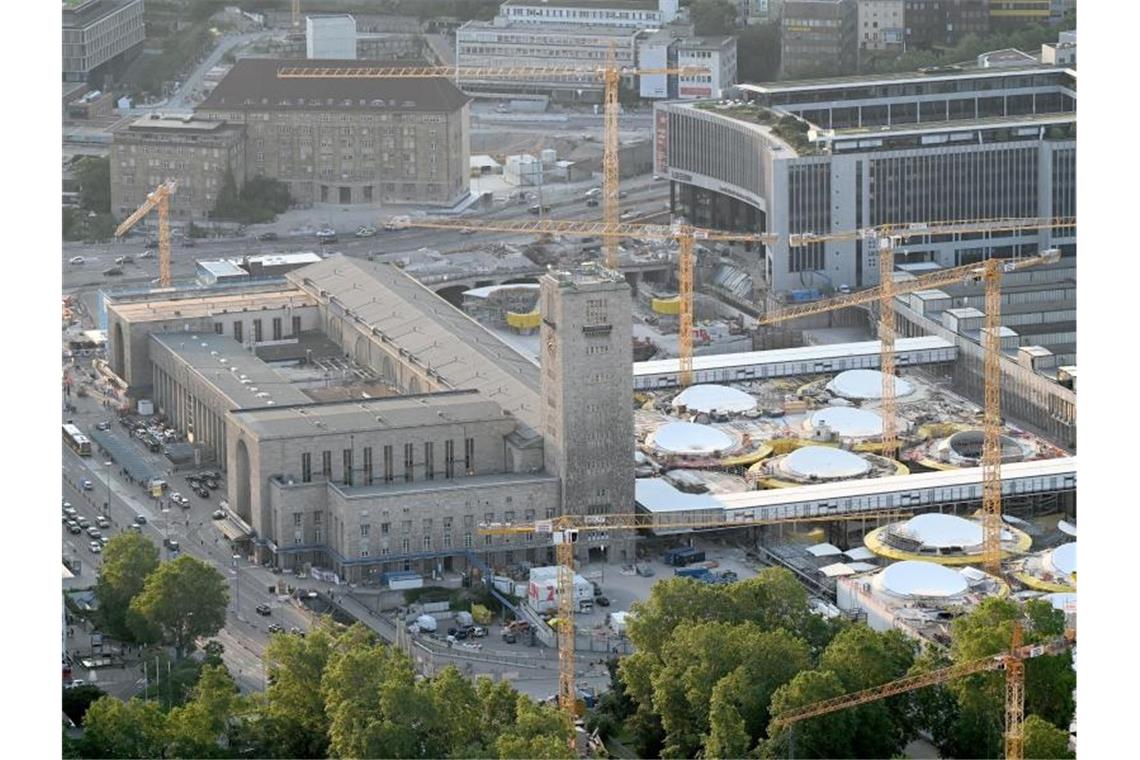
183	599
538	731
94	176
712	16
829	735
128	560
134	729
1045	741
201	727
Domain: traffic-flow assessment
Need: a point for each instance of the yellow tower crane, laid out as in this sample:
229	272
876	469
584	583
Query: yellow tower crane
1012	662
684	234
564	534
610	74
989	273
158	199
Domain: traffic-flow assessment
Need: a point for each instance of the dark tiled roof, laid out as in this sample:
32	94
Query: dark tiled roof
253	84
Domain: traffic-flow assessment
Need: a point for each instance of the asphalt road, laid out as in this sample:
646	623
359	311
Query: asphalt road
644	198
245	634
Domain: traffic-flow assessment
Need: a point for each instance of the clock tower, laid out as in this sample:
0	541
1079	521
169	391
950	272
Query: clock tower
586	362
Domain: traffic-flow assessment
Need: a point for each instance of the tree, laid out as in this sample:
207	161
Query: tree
197	728
128	560
538	731
227	203
183	600
823	736
113	728
78	699
712	16
94	176
758	53
1046	741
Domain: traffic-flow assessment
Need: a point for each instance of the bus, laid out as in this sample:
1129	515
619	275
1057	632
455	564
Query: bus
74	438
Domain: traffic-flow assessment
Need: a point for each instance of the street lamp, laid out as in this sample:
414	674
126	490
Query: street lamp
107	503
166	528
237	587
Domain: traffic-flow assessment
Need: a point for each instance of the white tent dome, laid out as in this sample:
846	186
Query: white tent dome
848	422
943	531
705	398
865	383
922	579
1064	558
691	438
824	463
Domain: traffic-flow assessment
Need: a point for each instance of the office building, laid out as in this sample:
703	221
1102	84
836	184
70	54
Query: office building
943	23
848	153
818	36
634	14
98	33
882	24
330	36
677	47
348	141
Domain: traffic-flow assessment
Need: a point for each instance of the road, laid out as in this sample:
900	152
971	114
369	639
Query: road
644	197
245	634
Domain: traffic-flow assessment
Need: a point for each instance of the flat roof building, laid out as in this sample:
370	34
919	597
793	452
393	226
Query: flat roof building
348	141
637	14
96	33
818	36
677	47
192	151
852	152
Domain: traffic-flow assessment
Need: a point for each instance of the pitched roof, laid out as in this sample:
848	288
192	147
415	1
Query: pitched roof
253	84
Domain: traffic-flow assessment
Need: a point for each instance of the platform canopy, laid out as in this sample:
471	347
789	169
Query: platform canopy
865	384
691	438
918	578
706	398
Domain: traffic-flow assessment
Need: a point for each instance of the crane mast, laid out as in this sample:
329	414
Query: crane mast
158	199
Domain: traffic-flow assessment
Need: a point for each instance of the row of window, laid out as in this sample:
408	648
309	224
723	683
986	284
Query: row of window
387	474
258	335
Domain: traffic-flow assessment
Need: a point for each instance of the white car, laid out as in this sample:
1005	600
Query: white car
75	260
366	230
147	254
96	547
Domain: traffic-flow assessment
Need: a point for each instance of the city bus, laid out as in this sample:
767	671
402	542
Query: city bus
74	438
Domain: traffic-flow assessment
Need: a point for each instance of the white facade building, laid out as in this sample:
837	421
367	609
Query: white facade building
882	24
637	14
669	47
330	37
759	11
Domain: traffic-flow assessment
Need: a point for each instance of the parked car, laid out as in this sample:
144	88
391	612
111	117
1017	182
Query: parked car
147	254
603	601
188	242
95	547
82	521
366	230
76	260
69	510
104	425
125	259
74	529
263	609
112	272
267	236
591	201
510	637
218	514
93	532
140	519
201	491
467	231
88	485
275	628
102	522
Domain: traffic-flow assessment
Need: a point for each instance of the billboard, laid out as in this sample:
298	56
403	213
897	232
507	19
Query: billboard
661	142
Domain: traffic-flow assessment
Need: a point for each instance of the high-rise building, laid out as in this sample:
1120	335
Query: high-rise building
882	24
818	35
96	33
638	14
943	23
586	350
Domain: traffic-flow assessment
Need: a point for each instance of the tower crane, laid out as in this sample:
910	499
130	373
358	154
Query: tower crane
684	234
989	273
610	74
158	199
1012	662
564	532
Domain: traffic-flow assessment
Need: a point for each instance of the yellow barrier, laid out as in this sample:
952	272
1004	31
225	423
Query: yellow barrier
670	306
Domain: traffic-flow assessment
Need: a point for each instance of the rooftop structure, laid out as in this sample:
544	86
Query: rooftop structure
1053	570
718	398
330	36
847	422
639	14
691	439
941	538
865	384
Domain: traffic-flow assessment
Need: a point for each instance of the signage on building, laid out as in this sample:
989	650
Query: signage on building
661	151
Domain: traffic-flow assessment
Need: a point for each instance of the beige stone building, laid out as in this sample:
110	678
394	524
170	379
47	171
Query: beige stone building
348	141
195	152
445	427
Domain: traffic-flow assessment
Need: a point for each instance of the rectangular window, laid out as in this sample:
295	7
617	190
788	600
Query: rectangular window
449	459
306	467
409	462
218	328
347	464
388	475
365	528
385	528
446	540
277	328
427	543
297	517
406	526
429	460
257	331
405	545
237	332
316	518
467	541
296	326
469	455
367	465
326	464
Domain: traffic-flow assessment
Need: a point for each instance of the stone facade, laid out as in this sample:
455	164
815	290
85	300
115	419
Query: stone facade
194	152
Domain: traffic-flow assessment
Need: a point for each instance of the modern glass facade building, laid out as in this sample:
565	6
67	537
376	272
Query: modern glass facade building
842	154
